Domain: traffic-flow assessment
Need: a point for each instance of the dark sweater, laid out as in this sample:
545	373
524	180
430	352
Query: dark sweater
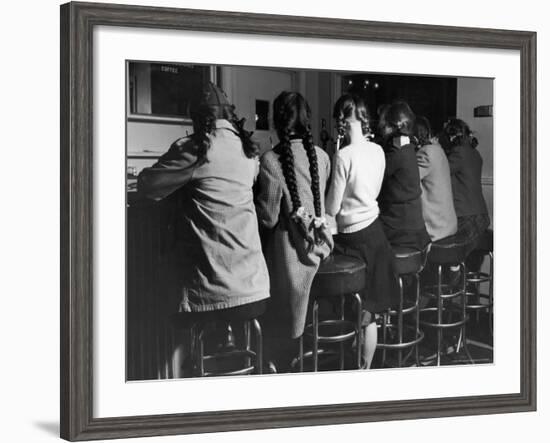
465	164
399	200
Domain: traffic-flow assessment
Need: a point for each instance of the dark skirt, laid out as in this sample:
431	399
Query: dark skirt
471	228
416	239
370	245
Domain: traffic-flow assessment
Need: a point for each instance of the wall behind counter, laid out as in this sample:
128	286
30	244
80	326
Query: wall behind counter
473	92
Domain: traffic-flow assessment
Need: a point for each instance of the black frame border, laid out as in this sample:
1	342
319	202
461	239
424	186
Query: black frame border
76	273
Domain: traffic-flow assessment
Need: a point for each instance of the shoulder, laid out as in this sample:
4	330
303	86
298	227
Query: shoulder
182	148
343	156
182	144
375	149
322	156
269	159
431	150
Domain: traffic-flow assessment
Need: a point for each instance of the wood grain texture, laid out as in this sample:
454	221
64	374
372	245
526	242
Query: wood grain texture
77	23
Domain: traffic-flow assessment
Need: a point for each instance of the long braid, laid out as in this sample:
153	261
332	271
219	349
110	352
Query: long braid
313	170
289	173
203	127
250	147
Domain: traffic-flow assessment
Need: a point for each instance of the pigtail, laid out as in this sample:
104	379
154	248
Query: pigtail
291	116
289	173
204	124
459	133
250	147
313	171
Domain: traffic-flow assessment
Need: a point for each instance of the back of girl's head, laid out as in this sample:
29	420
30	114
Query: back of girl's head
397	119
291	114
351	106
205	108
458	133
423	131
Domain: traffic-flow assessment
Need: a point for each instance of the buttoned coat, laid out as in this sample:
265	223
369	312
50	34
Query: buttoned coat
221	261
290	277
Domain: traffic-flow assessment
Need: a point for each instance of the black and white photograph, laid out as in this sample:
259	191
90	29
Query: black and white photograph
243	222
283	220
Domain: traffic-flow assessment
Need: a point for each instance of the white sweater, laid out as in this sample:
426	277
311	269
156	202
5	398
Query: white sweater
357	174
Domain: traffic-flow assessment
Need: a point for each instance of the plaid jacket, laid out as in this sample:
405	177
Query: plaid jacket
290	277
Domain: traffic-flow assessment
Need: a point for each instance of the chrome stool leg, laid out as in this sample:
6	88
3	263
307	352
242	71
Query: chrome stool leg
301	353
385	321
439	314
400	323
418	332
259	345
464	316
248	340
342	302
491	292
200	348
359	328
315	315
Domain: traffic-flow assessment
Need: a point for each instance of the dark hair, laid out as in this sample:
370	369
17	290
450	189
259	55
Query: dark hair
291	115
458	133
349	105
204	116
422	131
397	119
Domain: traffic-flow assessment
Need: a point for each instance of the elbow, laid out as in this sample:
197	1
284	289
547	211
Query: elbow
267	223
146	187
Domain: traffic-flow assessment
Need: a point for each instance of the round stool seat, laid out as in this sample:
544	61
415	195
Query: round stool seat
448	251
408	261
485	244
339	274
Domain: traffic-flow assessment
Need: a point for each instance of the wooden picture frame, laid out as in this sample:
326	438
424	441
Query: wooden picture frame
77	23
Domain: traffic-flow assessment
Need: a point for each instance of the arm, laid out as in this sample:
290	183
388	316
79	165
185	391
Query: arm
391	164
337	187
454	158
423	161
269	194
172	171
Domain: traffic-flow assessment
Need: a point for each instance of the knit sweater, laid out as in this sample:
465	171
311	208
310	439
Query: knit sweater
437	197
357	175
465	163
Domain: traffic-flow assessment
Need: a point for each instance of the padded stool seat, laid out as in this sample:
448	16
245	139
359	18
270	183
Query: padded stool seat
475	278
339	274
485	243
231	359
448	251
408	261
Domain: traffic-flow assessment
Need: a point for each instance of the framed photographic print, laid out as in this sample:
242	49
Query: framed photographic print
273	221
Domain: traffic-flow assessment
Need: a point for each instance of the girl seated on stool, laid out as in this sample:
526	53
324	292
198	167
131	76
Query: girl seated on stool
291	211
435	182
465	164
210	174
400	197
358	171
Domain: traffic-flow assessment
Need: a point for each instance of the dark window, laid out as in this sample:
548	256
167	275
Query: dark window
262	115
164	89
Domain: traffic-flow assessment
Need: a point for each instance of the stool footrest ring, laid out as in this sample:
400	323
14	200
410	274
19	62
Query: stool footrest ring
345	325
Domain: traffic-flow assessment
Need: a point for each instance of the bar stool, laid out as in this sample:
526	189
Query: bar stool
225	360
407	262
475	278
339	277
444	253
